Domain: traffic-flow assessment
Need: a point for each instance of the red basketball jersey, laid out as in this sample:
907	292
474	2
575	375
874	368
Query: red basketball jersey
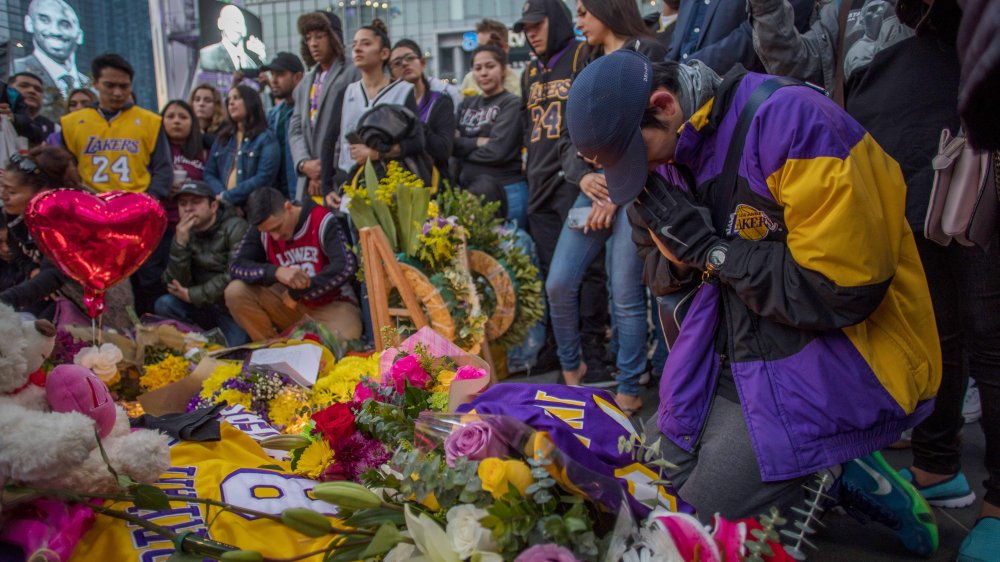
305	249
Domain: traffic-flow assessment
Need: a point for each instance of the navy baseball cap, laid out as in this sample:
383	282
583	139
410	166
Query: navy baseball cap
603	113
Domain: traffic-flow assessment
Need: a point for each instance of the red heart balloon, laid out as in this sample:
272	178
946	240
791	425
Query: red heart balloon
96	240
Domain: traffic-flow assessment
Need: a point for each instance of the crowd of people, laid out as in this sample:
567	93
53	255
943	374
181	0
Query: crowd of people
660	174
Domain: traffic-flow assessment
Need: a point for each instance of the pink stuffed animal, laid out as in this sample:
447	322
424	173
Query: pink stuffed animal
72	388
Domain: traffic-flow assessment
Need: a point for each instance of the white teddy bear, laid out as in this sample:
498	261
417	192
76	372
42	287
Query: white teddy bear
58	449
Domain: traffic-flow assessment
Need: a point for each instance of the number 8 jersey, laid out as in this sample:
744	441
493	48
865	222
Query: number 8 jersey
112	155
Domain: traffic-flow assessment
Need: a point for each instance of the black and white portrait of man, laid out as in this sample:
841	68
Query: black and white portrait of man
56	35
237	49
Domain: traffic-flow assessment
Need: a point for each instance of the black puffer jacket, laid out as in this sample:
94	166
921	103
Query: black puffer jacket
203	264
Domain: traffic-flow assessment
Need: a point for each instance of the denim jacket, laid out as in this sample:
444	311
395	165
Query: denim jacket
257	160
278	119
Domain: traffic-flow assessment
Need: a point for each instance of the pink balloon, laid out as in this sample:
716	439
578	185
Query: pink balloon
96	240
72	388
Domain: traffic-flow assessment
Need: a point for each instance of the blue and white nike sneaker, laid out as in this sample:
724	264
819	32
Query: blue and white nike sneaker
869	488
953	493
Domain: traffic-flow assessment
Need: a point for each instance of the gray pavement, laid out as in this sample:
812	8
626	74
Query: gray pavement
844	539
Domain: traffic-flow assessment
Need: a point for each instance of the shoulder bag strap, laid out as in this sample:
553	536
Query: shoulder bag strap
730	170
838	79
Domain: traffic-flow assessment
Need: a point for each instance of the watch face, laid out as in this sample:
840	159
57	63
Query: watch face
717	257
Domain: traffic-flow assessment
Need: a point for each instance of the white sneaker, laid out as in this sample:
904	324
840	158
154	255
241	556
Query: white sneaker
972	409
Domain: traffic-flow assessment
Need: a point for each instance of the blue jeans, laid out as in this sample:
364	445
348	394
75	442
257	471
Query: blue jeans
574	252
208	317
517	202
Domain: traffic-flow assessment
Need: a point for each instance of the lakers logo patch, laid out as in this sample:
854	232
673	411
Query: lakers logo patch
751	224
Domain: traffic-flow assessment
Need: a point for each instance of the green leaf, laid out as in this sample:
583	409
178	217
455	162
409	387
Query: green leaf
150	497
552	526
575	524
384	540
371	180
362	213
125	481
372	517
349	554
271	467
410	224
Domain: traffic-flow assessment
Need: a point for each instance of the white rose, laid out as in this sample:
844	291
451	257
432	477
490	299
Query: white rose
103	361
466	533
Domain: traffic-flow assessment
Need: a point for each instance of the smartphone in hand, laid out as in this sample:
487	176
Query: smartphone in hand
577	218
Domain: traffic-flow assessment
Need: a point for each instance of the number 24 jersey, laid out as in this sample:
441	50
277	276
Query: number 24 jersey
112	155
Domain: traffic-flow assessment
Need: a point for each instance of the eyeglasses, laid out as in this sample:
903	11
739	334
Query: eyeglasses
403	60
24	164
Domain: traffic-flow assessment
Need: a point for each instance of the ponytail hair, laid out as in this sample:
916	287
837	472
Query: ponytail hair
380	30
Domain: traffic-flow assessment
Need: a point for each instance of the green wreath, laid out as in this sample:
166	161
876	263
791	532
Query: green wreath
485	232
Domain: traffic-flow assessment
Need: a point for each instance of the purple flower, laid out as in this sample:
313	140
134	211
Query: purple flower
354	456
475	441
195	403
66	347
546	553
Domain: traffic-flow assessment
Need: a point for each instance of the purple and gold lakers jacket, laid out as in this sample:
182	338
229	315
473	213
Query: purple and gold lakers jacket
821	310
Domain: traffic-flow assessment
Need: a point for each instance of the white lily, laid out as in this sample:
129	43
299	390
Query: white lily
429	537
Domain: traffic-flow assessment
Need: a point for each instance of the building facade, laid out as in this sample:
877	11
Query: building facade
438	26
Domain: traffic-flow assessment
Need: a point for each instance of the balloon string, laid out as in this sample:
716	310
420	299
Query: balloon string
93	328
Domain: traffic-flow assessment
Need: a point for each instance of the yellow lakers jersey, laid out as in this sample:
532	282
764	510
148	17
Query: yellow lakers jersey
234	469
112	155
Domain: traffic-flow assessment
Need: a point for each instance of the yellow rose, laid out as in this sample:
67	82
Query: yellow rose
444	379
518	474
493	474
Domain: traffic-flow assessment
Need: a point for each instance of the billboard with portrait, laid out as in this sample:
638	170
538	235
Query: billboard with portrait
229	39
57	39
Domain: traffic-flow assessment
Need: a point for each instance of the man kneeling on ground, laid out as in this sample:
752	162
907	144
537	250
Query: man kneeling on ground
293	262
196	276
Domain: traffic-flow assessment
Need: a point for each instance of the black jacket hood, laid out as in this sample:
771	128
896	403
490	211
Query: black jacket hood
560	28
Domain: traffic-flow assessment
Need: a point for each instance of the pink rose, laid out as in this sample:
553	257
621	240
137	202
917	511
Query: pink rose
475	441
408	370
363	391
546	553
469	373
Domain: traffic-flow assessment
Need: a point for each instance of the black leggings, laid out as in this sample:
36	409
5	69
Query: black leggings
965	288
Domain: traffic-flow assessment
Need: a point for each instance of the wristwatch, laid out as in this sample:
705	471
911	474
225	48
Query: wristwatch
716	259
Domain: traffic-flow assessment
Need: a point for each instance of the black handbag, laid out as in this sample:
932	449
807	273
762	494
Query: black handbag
673	307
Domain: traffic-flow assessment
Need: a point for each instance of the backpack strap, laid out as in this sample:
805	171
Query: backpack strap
731	168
